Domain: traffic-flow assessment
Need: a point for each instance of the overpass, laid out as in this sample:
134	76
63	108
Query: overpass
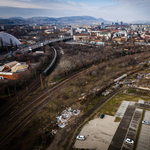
37	45
46	42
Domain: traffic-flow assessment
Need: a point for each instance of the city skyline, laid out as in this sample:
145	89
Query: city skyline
112	10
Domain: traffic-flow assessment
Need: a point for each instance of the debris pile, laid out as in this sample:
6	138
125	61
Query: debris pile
53	132
65	116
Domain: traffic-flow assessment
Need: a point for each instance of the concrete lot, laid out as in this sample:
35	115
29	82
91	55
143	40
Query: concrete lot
144	138
98	133
122	109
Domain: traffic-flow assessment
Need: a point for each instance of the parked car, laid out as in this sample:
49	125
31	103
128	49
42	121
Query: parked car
129	141
30	48
145	122
102	116
80	137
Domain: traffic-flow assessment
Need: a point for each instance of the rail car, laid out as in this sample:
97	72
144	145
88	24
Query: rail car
52	63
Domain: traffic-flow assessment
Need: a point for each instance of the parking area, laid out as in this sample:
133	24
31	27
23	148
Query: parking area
122	130
98	133
133	128
144	138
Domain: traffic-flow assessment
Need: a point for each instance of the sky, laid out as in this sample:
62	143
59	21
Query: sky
111	10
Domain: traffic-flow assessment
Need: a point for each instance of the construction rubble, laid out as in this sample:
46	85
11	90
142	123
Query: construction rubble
65	116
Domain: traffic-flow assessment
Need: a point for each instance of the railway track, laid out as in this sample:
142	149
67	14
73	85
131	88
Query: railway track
30	108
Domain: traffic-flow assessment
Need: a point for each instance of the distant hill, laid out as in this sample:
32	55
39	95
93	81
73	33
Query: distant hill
16	18
76	18
49	20
101	19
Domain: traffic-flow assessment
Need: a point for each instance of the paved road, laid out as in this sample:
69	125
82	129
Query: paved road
26	49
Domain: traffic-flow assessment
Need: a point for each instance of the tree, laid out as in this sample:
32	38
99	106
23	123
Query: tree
2	45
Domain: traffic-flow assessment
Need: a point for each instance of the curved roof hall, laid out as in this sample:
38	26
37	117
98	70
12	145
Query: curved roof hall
8	39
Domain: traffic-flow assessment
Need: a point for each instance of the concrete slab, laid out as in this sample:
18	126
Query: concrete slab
98	133
141	101
120	112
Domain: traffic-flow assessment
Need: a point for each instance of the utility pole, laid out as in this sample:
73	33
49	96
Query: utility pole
66	72
41	82
16	93
8	92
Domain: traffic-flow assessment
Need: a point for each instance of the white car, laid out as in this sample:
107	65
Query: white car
145	122
129	141
30	48
80	137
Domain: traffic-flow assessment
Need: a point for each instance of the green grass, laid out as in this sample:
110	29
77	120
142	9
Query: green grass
117	119
131	90
112	106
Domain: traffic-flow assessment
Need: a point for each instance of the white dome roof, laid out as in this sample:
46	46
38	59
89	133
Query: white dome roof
6	39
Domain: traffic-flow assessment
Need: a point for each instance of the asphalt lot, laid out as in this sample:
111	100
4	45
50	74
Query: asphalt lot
118	139
133	128
144	138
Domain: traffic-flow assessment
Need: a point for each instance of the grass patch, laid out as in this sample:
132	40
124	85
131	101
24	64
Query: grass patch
131	90
111	107
117	119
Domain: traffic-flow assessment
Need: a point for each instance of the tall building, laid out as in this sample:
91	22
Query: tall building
73	31
102	23
121	22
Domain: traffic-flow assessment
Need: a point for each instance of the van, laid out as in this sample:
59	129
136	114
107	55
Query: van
80	137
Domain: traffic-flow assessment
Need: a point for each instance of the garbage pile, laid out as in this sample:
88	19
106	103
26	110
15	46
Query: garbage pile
65	116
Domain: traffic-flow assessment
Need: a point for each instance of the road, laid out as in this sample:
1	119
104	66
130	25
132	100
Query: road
26	49
37	45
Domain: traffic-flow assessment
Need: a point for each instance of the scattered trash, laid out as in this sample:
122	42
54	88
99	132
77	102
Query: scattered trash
106	92
52	83
65	116
81	98
53	132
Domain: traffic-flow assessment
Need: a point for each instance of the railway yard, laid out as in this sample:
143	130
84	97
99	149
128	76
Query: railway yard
124	100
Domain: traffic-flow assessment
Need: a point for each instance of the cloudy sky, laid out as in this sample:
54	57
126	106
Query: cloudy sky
112	10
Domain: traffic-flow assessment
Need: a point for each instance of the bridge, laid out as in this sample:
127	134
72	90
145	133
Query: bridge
37	45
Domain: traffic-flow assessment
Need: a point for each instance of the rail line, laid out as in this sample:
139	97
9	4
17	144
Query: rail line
32	106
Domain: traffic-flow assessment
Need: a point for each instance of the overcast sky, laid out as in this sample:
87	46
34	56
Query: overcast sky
112	10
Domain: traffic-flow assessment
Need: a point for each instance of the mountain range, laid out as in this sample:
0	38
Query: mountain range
54	21
48	20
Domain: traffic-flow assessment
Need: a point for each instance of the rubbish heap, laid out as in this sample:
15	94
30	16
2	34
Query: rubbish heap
65	116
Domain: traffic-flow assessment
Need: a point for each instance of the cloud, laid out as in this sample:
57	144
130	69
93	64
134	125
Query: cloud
19	4
109	9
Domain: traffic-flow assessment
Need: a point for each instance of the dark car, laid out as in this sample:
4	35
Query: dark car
102	116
